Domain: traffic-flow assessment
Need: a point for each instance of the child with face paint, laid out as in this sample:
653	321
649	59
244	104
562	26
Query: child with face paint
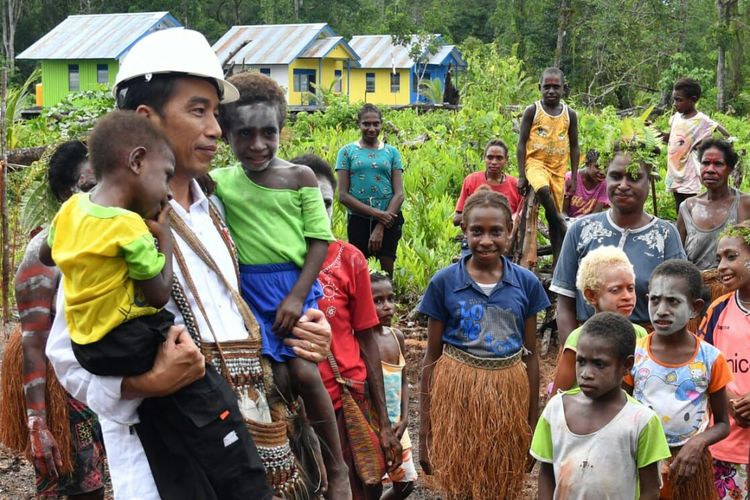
579	429
727	327
607	279
277	219
683	379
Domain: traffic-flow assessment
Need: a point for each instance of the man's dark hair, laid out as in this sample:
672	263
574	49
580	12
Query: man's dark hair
254	87
689	87
64	167
678	268
318	165
154	93
615	329
116	135
730	156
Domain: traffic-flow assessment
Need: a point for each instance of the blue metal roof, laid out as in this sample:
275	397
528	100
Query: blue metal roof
277	43
97	36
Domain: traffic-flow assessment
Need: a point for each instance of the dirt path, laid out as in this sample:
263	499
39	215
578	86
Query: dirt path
17	475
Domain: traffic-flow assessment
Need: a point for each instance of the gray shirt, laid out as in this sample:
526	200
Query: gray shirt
700	244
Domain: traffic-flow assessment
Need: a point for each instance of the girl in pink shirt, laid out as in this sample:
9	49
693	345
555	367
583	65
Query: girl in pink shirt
590	195
727	326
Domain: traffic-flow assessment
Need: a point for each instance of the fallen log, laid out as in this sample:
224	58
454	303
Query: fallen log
25	156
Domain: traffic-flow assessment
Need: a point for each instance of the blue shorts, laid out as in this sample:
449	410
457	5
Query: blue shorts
264	287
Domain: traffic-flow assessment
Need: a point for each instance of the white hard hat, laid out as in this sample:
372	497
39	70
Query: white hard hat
174	50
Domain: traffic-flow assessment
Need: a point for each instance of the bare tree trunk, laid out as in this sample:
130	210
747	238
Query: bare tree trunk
11	12
725	17
685	14
720	77
3	198
562	28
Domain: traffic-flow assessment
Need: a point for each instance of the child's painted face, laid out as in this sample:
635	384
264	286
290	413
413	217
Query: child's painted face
487	230
734	262
714	169
626	193
683	103
382	294
253	133
595	171
370	125
157	169
552	89
598	370
669	304
616	293
495	159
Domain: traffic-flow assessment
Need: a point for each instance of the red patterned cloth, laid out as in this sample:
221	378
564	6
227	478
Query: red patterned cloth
349	308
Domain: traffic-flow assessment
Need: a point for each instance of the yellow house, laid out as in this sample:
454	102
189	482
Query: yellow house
388	75
300	57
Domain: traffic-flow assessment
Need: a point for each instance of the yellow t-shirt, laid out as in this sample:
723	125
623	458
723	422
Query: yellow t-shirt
100	251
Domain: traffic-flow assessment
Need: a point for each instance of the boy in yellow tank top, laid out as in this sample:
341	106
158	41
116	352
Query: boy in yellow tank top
549	135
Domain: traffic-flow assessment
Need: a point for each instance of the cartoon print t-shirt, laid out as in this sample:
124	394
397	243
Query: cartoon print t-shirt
683	164
679	393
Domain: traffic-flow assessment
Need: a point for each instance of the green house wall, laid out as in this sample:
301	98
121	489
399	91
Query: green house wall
55	77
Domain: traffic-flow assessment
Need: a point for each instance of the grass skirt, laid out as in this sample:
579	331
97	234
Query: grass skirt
480	434
699	487
14	433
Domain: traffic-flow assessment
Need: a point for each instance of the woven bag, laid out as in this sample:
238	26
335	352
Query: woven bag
363	441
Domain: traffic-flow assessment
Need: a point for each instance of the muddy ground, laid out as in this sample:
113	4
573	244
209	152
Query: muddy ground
17	475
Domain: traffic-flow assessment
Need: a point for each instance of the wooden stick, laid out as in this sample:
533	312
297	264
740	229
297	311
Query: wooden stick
653	196
4	198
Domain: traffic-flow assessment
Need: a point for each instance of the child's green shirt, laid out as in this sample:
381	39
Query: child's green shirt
605	463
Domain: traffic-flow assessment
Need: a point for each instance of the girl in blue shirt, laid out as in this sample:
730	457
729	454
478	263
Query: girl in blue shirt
371	187
480	379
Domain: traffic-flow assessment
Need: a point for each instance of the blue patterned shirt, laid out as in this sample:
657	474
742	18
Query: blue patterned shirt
489	326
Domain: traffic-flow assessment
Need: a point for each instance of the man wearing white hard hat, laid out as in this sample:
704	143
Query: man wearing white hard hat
173	78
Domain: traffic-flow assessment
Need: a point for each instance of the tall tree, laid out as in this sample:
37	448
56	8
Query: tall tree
11	13
564	15
726	10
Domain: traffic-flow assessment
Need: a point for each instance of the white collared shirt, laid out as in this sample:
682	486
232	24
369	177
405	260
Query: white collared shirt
129	469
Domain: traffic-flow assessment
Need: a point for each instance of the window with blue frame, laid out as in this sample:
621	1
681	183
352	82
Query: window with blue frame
304	80
74	77
370	82
102	74
337	76
265	71
395	82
